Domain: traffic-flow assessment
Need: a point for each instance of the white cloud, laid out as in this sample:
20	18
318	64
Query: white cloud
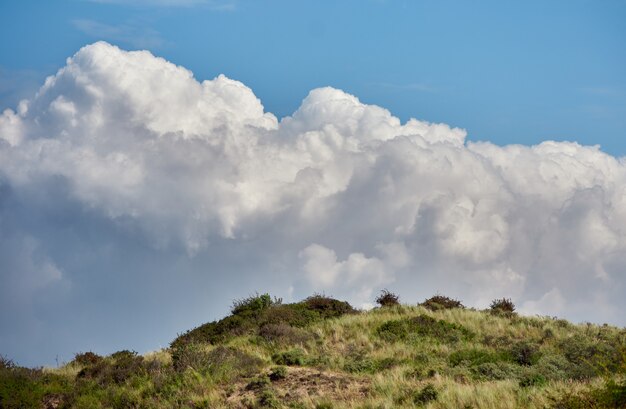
340	197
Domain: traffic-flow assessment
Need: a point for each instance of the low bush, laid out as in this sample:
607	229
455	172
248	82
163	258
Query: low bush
495	371
116	369
253	304
87	358
284	334
258	382
328	307
387	299
427	394
474	357
268	399
277	373
423	326
292	357
502	306
441	302
253	313
532	379
525	353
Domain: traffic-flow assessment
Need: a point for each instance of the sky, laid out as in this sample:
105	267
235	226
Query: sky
161	158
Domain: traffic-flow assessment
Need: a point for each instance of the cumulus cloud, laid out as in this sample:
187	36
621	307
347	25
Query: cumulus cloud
339	197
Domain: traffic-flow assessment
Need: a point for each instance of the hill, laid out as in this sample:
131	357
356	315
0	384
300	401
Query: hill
323	353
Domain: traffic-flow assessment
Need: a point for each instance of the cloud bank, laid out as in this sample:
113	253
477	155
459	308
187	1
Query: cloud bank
124	171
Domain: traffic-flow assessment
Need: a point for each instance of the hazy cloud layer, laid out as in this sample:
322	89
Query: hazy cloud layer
126	184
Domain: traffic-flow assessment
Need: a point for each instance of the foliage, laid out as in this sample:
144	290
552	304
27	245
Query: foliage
252	314
422	326
387	299
426	394
87	358
277	373
388	357
292	357
502	306
441	302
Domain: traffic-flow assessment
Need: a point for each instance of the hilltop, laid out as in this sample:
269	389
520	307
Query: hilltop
323	353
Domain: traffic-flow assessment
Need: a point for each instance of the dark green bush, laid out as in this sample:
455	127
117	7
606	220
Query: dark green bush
441	302
267	399
258	382
253	313
525	353
253	304
328	307
87	358
532	379
395	330
423	326
284	334
427	394
277	373
292	357
473	357
387	299
502	306
116	369
495	371
591	357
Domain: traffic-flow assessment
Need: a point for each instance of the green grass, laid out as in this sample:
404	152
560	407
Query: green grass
321	353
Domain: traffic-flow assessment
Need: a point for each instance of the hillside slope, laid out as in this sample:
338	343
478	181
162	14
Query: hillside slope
322	353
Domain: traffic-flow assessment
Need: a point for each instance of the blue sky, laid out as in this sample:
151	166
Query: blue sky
508	72
137	202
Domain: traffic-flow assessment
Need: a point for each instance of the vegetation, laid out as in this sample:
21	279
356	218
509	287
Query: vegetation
387	299
322	353
441	302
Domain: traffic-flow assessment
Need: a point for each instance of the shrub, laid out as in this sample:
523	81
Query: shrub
395	330
87	358
387	299
503	306
441	302
532	379
495	371
220	362
277	373
328	307
427	394
259	382
253	304
116	369
473	357
284	334
525	353
425	326
267	399
292	357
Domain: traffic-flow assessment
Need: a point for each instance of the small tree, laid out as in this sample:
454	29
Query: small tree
502	306
387	299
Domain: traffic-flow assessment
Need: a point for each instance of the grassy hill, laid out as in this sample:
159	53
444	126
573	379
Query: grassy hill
322	353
